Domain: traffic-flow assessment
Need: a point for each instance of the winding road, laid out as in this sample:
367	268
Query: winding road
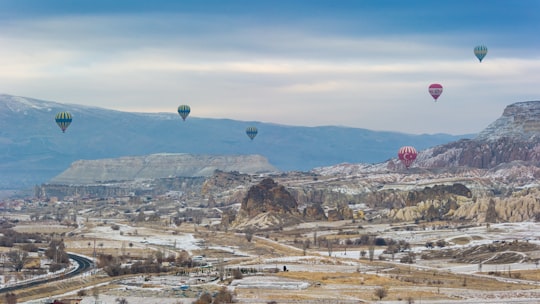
84	264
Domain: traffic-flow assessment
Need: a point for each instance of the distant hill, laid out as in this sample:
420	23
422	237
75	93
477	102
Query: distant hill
33	149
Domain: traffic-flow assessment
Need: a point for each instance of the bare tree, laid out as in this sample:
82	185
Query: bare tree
223	296
11	298
305	246
95	293
371	250
17	258
121	301
381	292
248	234
330	247
204	298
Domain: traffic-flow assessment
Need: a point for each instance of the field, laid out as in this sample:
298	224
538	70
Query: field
315	274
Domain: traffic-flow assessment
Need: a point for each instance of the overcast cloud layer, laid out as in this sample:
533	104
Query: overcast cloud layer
362	64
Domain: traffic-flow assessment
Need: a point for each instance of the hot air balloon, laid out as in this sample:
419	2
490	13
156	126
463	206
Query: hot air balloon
435	90
407	155
184	110
480	52
63	120
251	132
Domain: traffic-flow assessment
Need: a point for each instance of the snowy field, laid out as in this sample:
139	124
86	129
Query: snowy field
165	289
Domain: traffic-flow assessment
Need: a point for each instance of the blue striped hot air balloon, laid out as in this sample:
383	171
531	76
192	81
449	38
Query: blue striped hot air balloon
63	120
251	132
480	52
184	111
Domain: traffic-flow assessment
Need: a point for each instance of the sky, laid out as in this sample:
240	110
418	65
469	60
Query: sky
355	63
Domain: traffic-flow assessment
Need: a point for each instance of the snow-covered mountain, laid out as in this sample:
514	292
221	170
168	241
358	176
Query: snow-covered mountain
514	138
33	149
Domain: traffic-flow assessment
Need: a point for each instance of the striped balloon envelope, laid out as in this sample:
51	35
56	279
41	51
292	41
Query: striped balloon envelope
407	155
480	52
251	132
63	120
435	90
184	111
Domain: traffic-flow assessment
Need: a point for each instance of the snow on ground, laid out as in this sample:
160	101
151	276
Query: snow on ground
269	282
348	261
144	236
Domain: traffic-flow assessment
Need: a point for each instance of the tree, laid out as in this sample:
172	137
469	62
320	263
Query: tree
205	298
409	258
11	298
305	246
56	252
441	243
491	213
248	234
223	296
329	245
371	251
381	292
17	258
159	256
140	217
237	274
121	301
95	293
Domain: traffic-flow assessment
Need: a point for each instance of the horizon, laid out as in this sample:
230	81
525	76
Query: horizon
239	120
357	64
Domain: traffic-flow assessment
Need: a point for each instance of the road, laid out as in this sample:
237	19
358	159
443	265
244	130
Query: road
84	264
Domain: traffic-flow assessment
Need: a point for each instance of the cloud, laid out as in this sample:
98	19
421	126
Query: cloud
298	72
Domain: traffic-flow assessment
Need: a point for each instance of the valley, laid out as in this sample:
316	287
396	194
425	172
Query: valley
340	271
460	225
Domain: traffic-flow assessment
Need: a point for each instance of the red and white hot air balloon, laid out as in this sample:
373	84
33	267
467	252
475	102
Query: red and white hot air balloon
435	90
407	155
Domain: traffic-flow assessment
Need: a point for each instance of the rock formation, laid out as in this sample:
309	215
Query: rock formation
267	205
515	136
268	196
159	166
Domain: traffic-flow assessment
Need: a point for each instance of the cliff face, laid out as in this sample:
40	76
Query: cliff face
267	205
515	136
159	166
520	120
484	154
268	196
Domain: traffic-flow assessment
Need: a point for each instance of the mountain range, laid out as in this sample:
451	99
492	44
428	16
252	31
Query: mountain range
33	149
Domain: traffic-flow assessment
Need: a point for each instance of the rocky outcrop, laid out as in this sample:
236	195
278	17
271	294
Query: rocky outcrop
437	192
222	181
515	136
481	153
521	206
520	120
189	185
315	212
267	205
268	196
159	166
